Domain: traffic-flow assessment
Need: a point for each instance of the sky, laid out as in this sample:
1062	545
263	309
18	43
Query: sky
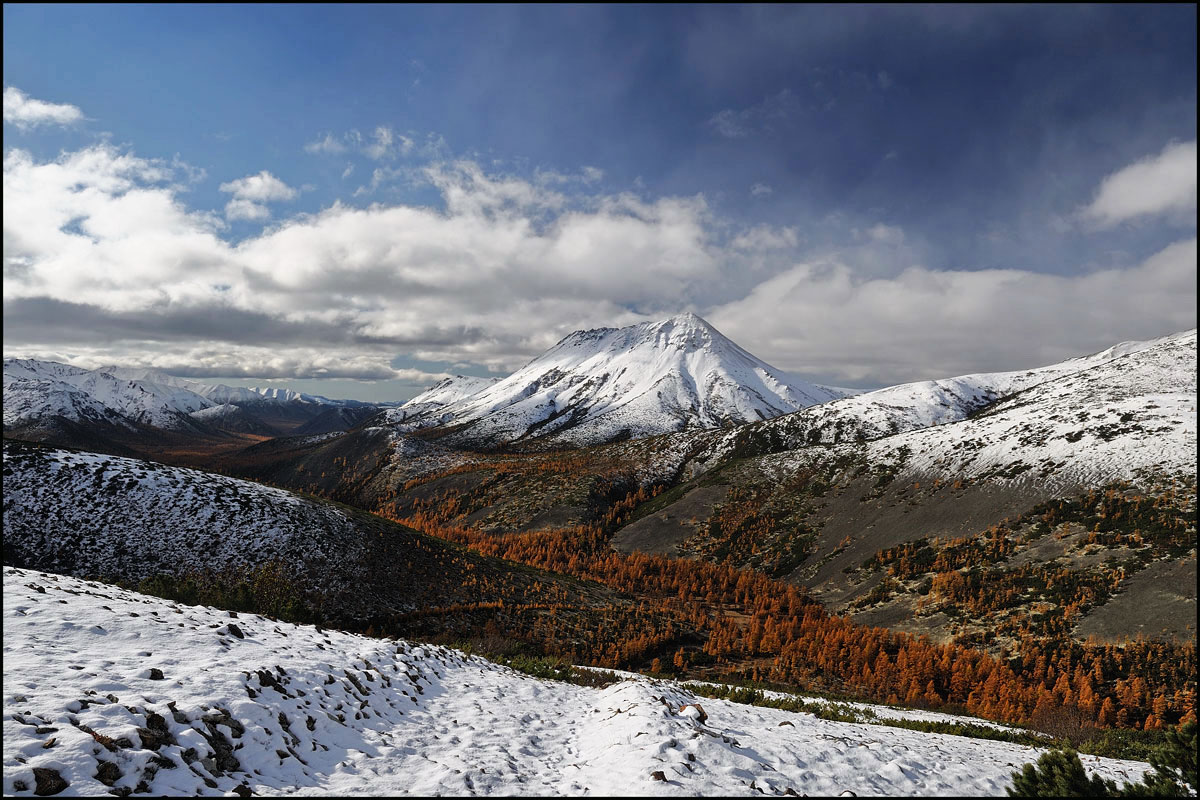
360	200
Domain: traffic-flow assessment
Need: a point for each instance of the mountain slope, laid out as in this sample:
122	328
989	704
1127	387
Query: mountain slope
1118	428
42	388
1120	419
129	520
444	393
915	406
612	383
109	688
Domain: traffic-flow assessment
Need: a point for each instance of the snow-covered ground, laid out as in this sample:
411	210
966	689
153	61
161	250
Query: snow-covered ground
1120	419
1126	411
108	688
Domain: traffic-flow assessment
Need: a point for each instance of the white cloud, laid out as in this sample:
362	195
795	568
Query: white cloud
729	123
886	234
26	112
100	242
261	188
822	318
386	143
382	144
252	193
504	270
239	208
326	144
1158	185
760	190
763	116
764	238
885	80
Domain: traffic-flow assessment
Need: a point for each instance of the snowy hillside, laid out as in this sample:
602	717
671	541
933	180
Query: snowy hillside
218	393
281	395
1105	382
1120	419
129	519
599	385
443	393
109	691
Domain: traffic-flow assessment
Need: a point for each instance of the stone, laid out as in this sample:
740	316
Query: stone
48	781
108	773
699	713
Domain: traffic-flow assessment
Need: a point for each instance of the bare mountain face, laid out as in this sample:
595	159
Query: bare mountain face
609	384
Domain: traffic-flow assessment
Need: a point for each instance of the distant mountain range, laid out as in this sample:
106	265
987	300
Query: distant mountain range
45	400
676	376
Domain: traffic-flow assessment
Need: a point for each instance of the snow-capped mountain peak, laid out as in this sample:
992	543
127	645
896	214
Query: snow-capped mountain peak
606	383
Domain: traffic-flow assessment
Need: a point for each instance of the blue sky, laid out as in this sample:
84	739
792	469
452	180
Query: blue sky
864	195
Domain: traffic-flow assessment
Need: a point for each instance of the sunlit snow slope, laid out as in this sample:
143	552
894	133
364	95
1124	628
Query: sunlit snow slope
611	383
1103	417
106	689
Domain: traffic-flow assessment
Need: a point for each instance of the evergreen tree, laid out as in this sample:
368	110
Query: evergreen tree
1059	773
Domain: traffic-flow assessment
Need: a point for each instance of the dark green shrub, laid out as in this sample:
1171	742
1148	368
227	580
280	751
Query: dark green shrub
1059	773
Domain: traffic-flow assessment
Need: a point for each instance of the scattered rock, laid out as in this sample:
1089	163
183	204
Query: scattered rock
48	781
108	773
234	630
243	790
155	674
156	733
658	775
699	713
785	722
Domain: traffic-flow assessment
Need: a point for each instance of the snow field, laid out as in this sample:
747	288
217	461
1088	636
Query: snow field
193	700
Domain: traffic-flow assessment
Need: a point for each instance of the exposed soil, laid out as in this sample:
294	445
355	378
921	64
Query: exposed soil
1158	602
662	532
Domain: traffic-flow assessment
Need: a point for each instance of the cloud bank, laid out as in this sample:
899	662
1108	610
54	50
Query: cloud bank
105	263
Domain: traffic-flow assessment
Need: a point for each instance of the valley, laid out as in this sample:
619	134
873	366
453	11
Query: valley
1015	546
